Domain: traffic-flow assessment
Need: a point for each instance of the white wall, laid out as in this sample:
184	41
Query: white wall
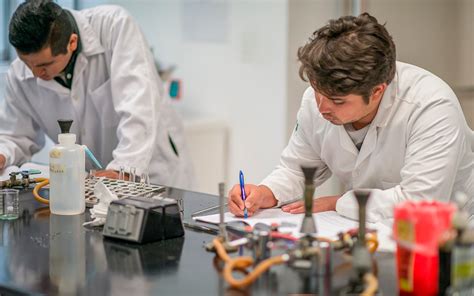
236	72
426	33
305	17
465	49
437	35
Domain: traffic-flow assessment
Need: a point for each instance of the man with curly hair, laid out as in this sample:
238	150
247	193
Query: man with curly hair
373	122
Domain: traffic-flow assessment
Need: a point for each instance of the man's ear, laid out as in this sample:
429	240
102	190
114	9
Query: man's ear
73	42
378	91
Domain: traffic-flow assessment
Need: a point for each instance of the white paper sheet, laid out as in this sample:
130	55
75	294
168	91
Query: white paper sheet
328	224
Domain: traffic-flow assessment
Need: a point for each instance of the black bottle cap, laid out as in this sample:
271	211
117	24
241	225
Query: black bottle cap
65	125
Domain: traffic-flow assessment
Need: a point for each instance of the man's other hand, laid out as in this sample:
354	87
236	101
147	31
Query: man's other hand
321	204
111	174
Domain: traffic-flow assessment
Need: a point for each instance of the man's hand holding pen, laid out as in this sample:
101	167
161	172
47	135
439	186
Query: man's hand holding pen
257	197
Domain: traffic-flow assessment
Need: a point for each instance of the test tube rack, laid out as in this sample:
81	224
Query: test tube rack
120	188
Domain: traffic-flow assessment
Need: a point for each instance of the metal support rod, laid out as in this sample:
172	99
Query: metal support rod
222	229
309	225
361	261
261	250
362	196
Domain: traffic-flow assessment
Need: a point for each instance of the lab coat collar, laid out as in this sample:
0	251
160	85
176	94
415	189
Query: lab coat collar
385	108
384	113
54	86
346	141
26	74
90	41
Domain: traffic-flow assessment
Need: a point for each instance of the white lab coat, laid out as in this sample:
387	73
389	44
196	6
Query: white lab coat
117	103
416	148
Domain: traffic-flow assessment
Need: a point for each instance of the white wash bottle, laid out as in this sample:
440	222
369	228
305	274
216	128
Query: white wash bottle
67	174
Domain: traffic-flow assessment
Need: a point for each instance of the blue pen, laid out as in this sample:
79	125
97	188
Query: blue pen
242	191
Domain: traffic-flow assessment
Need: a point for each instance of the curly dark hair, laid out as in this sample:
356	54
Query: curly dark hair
349	55
37	24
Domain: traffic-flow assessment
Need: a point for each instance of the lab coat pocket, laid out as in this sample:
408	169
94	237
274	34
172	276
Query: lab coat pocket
102	99
388	185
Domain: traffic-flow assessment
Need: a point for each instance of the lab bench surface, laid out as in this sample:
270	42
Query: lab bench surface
42	253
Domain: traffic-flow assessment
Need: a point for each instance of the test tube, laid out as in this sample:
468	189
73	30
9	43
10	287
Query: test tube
145	179
121	173
133	172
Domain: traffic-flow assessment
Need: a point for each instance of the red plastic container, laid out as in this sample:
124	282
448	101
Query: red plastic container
417	229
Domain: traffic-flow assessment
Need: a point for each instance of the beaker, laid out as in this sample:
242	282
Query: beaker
10	206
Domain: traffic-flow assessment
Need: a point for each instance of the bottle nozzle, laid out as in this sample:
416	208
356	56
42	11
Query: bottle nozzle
65	125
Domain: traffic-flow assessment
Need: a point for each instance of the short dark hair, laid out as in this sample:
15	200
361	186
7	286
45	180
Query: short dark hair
349	55
37	24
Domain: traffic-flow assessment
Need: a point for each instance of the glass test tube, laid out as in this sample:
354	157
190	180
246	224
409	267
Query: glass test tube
145	179
133	172
121	173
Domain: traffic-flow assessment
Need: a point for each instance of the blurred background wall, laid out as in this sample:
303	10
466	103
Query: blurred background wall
236	60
